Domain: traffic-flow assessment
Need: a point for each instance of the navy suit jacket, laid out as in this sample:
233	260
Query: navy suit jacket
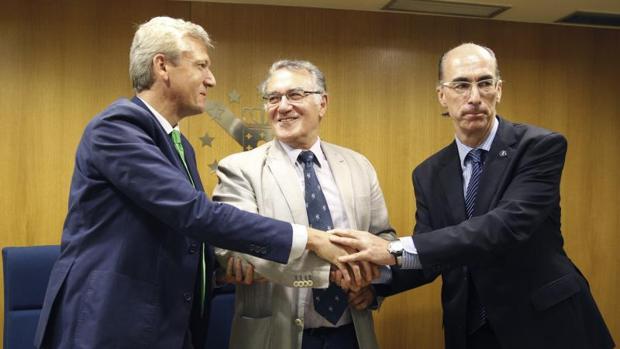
512	248
129	254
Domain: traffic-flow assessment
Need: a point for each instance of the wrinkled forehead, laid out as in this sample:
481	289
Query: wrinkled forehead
284	79
469	62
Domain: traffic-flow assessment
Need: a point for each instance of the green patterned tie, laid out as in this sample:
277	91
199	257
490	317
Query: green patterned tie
176	139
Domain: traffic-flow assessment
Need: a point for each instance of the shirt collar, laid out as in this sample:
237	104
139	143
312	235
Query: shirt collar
293	153
486	145
162	121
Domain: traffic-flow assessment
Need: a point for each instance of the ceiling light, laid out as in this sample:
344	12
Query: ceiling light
446	8
592	18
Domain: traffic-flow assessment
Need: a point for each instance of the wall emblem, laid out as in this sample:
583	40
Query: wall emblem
250	129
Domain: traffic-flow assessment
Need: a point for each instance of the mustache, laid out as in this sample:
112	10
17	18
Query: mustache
468	111
474	111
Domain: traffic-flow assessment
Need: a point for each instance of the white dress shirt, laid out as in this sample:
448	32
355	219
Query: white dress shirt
334	201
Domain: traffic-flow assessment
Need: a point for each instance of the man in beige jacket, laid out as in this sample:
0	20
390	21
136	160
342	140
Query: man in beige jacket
284	311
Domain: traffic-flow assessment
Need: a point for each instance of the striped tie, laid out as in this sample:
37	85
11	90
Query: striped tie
475	156
476	313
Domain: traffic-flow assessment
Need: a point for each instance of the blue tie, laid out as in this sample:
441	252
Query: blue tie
476	313
331	302
475	156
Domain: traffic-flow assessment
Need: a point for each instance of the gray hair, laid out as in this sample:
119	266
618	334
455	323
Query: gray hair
443	58
160	35
296	65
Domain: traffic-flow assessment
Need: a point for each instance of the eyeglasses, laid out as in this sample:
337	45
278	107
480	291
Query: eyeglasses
485	86
292	96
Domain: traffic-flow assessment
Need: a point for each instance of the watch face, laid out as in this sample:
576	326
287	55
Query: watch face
395	247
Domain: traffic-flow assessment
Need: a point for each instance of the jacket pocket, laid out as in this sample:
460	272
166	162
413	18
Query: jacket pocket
251	333
555	292
117	311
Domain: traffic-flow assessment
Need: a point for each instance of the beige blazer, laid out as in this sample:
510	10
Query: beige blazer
270	315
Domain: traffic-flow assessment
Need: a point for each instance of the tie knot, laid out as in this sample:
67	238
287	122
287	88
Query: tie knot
306	157
476	155
176	136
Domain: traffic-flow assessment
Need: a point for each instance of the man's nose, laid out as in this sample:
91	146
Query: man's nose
284	104
209	80
474	95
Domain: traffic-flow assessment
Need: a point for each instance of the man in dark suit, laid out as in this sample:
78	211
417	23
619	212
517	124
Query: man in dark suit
134	271
488	222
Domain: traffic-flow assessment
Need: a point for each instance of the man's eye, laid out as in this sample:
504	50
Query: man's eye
485	83
273	99
461	85
295	95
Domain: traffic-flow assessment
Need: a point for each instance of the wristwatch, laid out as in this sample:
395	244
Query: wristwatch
395	248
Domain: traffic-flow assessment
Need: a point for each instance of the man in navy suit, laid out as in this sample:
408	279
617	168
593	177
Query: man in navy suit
134	271
488	222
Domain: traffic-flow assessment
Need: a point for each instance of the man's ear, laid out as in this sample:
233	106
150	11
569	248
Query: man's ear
441	97
499	91
160	66
323	106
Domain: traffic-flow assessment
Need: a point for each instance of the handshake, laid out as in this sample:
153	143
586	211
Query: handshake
354	256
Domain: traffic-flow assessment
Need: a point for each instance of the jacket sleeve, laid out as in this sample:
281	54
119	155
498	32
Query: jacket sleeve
236	187
121	148
526	201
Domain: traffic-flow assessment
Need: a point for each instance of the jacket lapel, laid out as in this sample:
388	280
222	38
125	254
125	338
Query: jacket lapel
496	163
451	178
287	181
342	176
171	152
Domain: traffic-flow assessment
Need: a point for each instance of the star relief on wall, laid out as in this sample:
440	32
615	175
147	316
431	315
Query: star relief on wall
234	96
207	140
213	166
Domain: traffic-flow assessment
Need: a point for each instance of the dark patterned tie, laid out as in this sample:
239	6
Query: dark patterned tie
476	313
178	145
475	156
331	302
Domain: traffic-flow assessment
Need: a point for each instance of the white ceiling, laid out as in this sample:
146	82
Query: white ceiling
533	11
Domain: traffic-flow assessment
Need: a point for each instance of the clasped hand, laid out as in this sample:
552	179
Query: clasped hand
353	275
342	249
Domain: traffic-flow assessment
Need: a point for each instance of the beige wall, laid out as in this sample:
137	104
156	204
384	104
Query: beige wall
64	61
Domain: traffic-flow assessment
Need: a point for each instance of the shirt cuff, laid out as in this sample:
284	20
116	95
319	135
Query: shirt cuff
300	240
408	244
410	258
385	275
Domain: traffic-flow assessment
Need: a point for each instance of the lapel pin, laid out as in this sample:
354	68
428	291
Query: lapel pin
503	153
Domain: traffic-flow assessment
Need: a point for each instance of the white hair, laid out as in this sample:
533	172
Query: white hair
295	65
160	35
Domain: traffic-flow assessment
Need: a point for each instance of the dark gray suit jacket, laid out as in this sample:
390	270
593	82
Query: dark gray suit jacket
535	297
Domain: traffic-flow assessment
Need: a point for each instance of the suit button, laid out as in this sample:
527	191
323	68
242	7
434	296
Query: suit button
192	250
299	323
187	296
